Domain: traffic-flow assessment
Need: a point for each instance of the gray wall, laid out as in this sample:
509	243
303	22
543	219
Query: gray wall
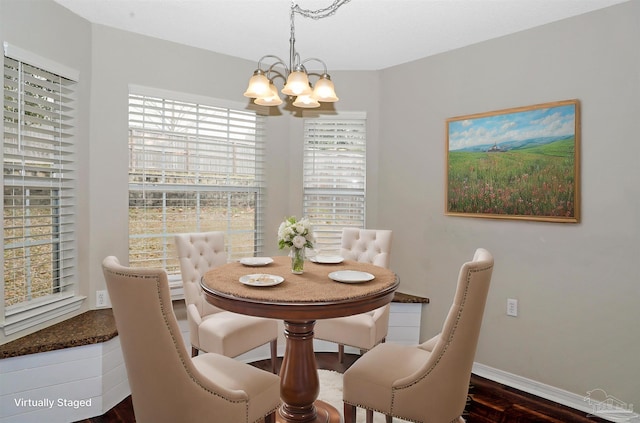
577	284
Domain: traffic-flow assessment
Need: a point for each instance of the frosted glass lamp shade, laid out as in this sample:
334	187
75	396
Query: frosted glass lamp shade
258	85
297	84
273	99
306	102
324	90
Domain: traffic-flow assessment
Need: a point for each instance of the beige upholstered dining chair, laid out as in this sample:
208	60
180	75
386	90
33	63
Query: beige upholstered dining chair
212	329
166	384
364	330
428	382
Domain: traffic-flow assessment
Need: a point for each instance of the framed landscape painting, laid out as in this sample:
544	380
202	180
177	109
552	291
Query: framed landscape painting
520	163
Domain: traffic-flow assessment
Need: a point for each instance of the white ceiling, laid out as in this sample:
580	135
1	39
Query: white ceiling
362	35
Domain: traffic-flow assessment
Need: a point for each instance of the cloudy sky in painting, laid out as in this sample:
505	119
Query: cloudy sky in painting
538	123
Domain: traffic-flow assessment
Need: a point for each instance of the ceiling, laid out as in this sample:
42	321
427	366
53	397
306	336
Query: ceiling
362	35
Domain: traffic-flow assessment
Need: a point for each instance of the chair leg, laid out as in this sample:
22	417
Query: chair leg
274	356
369	416
349	413
270	418
388	419
194	351
340	353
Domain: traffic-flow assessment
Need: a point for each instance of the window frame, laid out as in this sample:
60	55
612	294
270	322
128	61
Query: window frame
329	232
26	314
258	190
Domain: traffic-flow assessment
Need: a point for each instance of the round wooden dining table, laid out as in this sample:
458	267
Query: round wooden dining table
299	301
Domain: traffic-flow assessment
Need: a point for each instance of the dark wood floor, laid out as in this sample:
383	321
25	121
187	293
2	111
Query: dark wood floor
489	402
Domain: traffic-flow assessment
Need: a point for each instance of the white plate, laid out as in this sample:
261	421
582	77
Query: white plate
351	276
261	279
256	261
327	259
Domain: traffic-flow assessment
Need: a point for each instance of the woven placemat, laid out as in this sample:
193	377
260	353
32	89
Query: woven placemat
313	286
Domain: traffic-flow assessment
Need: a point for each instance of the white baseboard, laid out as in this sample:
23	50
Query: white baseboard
530	386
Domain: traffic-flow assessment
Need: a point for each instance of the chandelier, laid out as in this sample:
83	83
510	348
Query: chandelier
261	87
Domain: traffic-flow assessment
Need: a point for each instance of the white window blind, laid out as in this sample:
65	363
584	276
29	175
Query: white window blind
192	168
334	176
39	192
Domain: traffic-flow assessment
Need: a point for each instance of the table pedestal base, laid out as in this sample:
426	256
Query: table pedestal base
299	384
325	413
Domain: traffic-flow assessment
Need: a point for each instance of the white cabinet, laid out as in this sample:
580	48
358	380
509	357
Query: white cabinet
404	323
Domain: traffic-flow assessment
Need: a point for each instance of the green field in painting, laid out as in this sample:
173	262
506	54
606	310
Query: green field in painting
535	181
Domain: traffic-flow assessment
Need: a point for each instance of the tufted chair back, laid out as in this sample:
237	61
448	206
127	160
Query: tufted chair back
364	330
212	329
166	384
199	252
367	245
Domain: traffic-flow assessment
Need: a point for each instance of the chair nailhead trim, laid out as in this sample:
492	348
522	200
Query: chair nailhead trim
175	342
449	339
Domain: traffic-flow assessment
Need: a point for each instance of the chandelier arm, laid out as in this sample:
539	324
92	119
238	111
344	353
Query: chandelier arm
324	65
278	61
273	73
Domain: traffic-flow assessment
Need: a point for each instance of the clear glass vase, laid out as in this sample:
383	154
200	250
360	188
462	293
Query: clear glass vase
297	260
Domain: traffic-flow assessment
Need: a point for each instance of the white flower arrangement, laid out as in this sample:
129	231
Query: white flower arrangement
295	233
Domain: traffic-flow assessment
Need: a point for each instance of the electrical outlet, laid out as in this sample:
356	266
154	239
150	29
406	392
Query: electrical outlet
512	307
102	298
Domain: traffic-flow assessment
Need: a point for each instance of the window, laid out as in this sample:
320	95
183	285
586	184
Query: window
39	269
334	175
193	167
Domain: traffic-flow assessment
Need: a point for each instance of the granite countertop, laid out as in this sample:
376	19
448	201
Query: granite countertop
399	297
93	327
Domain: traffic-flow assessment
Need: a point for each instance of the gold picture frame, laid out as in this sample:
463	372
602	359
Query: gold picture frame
521	163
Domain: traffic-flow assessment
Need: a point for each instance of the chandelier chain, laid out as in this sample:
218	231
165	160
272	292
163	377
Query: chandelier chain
319	13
